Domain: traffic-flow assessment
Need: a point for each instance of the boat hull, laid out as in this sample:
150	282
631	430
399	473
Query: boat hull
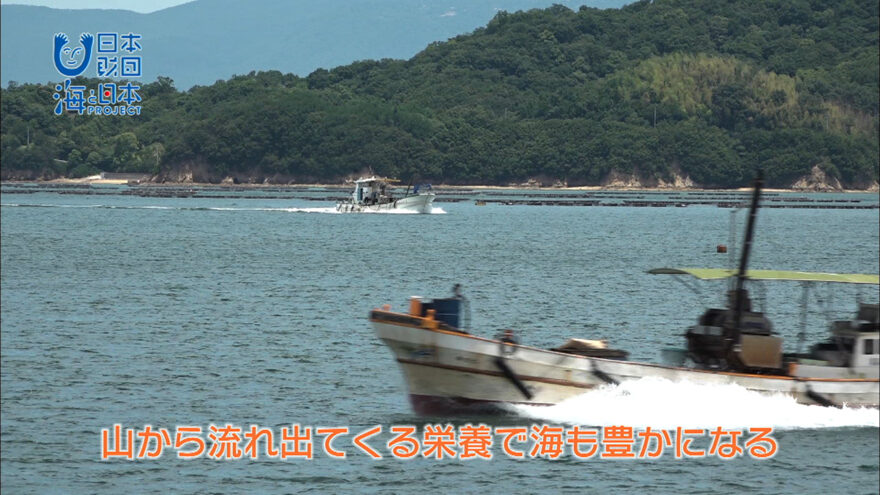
421	203
449	372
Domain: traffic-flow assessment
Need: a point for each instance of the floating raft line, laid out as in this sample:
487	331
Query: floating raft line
334	194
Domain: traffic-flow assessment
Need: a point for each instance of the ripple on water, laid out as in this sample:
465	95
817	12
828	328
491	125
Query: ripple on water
184	312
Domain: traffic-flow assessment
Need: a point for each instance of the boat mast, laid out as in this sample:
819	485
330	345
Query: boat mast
740	294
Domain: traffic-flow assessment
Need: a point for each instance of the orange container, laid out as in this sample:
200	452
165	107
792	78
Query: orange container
415	306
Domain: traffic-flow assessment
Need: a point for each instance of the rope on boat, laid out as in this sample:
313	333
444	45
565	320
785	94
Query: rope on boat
499	362
602	375
821	399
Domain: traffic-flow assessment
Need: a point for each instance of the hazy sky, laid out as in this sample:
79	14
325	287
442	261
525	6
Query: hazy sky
142	6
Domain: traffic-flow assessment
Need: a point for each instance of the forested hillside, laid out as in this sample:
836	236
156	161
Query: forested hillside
705	89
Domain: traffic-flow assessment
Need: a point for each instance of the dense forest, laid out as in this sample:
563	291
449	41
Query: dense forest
706	89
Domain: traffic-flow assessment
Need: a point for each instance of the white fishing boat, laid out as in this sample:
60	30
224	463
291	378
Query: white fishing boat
374	194
449	371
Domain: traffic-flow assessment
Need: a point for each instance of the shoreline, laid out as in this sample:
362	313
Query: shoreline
479	187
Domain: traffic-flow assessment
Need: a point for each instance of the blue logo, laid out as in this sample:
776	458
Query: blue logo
116	57
72	62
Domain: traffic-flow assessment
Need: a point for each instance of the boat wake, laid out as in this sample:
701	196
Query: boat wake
397	211
330	210
660	403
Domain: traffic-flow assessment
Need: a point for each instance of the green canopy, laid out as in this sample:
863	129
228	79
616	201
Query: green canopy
719	273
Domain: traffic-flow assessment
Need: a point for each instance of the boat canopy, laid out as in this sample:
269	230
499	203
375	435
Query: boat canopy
720	273
376	179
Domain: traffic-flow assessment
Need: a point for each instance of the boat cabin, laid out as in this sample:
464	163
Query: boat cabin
853	343
372	191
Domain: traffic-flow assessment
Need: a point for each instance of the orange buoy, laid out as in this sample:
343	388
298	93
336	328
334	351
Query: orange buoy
721	248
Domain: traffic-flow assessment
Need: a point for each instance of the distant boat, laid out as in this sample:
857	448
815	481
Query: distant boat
373	194
450	371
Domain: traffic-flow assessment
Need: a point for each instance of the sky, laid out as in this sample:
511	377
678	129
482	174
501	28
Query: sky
142	6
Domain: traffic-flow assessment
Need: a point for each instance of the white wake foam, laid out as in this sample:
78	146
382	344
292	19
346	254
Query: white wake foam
434	211
660	403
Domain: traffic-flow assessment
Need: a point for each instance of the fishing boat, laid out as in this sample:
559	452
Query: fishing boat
374	194
448	370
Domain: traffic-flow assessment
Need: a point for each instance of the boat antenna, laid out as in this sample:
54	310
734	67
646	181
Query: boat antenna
740	296
731	241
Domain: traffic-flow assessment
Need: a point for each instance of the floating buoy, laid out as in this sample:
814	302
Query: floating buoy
721	248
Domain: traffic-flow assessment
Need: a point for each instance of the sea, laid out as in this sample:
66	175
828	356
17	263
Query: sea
249	309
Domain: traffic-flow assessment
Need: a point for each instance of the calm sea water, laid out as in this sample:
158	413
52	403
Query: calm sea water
167	312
